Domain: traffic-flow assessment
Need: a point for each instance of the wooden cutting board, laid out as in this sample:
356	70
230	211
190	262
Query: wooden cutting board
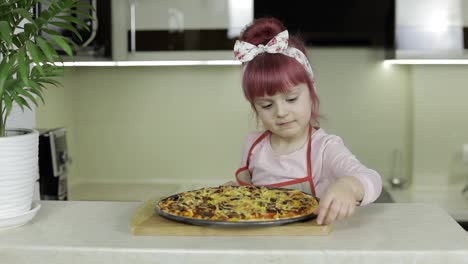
145	222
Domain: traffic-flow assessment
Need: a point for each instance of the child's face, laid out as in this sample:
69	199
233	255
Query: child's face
286	114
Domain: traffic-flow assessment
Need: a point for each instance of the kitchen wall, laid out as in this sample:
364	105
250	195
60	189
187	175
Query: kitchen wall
440	96
147	124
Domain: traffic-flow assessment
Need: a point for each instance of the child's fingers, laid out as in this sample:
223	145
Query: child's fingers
320	214
351	209
334	212
323	209
343	212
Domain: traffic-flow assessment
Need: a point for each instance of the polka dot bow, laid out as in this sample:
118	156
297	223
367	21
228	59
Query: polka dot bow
246	52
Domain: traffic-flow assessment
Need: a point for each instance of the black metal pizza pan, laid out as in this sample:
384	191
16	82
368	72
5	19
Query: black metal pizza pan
220	223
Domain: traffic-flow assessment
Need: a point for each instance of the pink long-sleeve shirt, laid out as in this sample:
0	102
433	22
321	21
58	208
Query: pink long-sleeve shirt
330	159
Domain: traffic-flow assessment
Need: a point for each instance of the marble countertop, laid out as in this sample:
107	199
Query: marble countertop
449	197
99	232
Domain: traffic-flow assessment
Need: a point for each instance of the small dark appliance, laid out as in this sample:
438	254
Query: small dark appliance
53	164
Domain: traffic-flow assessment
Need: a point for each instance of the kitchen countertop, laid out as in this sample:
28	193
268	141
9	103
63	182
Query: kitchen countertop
449	197
99	232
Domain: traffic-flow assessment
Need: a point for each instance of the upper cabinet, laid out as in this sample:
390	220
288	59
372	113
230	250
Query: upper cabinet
431	29
171	30
178	29
179	25
148	30
207	29
336	23
96	43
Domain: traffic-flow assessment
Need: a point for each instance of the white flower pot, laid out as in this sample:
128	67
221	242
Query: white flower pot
19	171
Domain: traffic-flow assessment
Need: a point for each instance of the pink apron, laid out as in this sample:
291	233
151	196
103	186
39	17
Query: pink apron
305	184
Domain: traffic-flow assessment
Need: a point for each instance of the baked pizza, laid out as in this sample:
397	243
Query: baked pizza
238	204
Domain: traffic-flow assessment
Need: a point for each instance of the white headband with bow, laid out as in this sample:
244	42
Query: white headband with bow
246	52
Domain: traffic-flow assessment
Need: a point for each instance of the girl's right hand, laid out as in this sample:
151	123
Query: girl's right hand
340	200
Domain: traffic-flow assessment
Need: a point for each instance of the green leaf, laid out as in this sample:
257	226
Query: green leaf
61	4
23	36
4	70
46	49
35	54
38	71
24	14
50	81
10	3
21	102
19	52
16	41
63	44
8	103
83	14
84	5
75	46
37	90
75	20
29	29
52	70
38	86
51	32
53	9
67	27
10	84
45	16
23	65
41	87
15	98
24	93
40	21
5	32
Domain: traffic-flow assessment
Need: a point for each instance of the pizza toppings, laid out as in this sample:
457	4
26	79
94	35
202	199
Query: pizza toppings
239	203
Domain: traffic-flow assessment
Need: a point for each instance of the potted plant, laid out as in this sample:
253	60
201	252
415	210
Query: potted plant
28	64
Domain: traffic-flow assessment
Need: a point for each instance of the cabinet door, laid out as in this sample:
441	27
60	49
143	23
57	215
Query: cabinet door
185	29
96	44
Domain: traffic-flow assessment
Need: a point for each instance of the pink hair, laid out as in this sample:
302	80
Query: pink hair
268	74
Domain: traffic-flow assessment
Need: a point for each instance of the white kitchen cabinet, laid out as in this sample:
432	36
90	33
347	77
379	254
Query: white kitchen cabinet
177	30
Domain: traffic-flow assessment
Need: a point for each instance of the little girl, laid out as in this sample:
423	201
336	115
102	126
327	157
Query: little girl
293	152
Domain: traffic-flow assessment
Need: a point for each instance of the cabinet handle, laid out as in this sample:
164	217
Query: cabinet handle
132	26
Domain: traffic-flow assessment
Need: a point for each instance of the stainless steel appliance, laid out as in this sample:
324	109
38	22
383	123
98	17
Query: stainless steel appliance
53	164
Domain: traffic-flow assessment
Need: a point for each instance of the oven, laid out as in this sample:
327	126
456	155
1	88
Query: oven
53	164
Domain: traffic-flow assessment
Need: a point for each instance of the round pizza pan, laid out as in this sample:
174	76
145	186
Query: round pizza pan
248	223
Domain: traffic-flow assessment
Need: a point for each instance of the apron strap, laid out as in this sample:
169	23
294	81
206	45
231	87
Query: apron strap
309	162
309	177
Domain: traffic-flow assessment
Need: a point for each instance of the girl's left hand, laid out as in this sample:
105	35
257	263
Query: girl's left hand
339	201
